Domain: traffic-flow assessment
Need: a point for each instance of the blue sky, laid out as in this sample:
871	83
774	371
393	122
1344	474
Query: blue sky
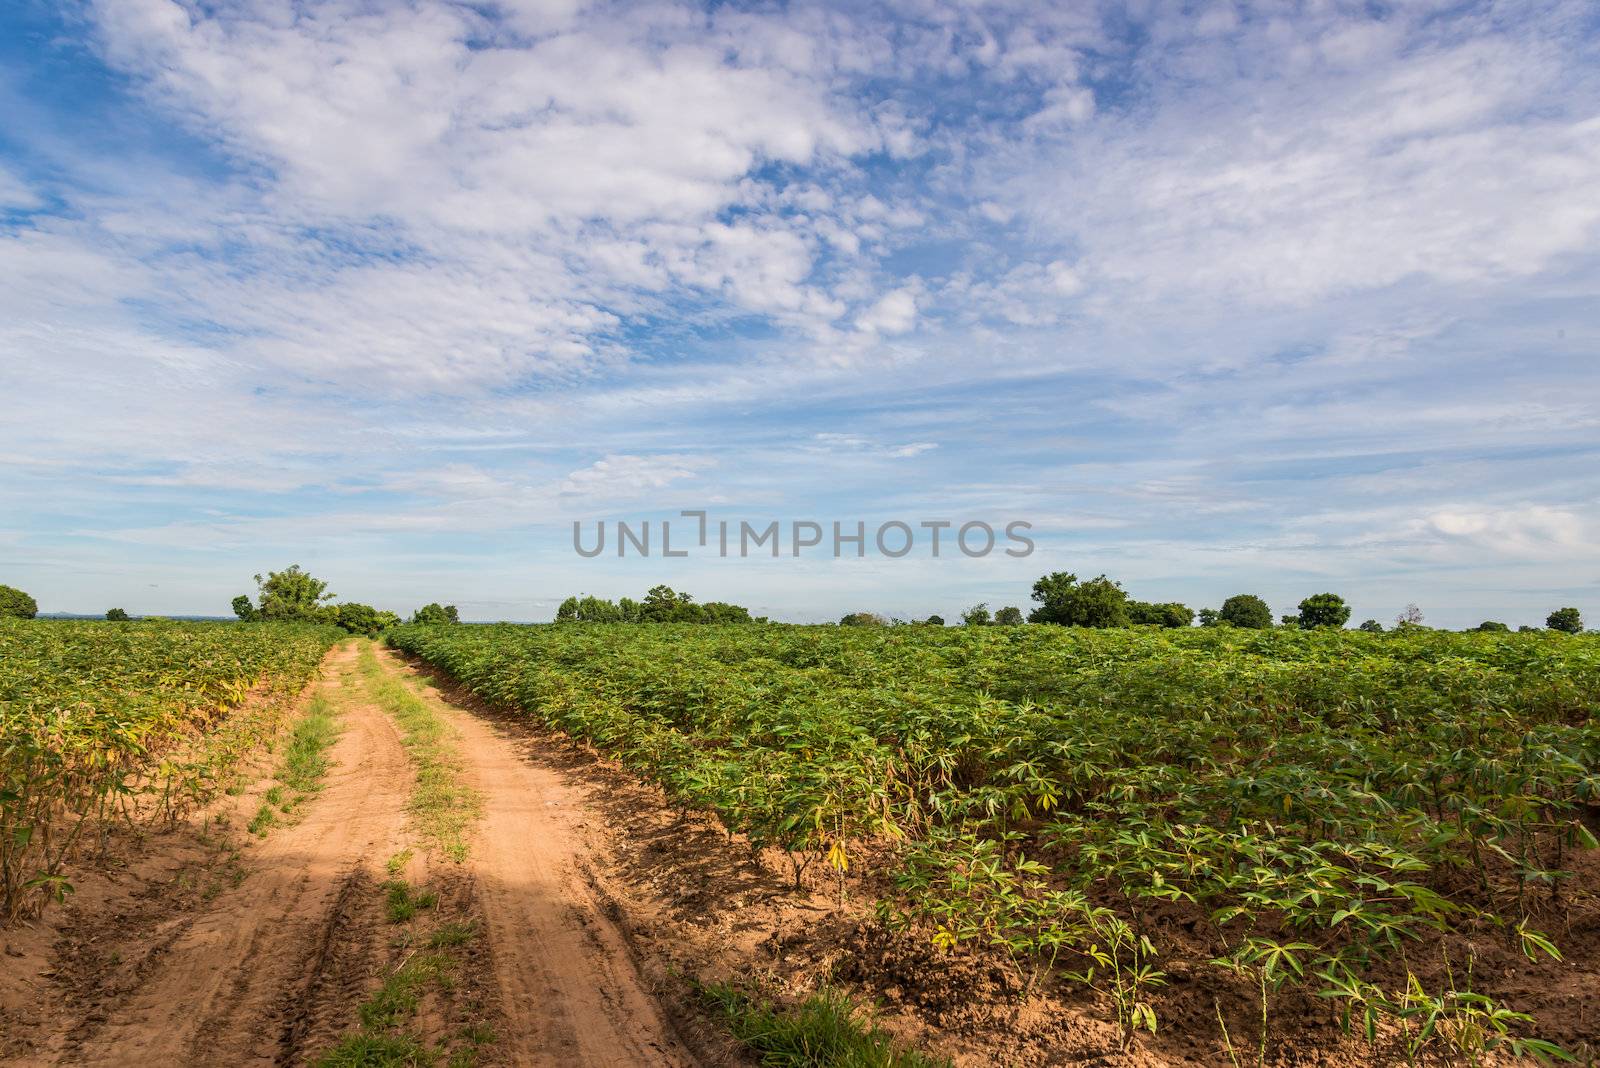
1231	297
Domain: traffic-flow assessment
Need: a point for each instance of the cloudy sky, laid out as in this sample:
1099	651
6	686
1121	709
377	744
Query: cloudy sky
1272	297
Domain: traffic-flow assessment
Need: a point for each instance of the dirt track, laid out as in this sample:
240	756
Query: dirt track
271	971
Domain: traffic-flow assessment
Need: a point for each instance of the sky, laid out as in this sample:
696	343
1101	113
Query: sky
1222	297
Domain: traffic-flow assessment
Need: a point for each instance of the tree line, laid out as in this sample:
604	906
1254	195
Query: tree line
294	595
1060	597
661	604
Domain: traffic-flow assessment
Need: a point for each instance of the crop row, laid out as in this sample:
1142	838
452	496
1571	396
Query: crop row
1327	809
94	717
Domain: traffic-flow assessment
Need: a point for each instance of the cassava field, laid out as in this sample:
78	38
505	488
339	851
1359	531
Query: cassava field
658	844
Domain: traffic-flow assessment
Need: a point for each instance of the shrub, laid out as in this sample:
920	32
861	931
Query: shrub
15	603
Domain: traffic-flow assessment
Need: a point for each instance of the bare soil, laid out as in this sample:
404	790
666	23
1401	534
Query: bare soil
600	904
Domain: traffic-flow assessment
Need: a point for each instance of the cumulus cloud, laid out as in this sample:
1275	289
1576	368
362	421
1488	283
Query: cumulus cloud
895	313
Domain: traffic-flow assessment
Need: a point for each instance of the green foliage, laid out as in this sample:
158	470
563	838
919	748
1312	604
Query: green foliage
436	615
589	610
1371	626
1566	620
290	595
245	609
14	604
92	715
1045	795
1169	614
862	619
116	615
934	621
1245	610
1324	610
977	616
823	1031
1489	626
1064	600
1009	616
363	619
661	605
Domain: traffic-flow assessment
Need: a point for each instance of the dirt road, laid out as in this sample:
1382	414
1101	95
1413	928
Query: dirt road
273	970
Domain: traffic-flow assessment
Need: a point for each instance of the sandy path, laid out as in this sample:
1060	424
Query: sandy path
235	984
272	970
569	990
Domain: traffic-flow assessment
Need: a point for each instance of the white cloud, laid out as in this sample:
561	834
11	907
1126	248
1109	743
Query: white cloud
895	313
1298	160
1521	532
622	477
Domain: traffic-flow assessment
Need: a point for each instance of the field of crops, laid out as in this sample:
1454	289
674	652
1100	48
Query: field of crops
1326	815
93	717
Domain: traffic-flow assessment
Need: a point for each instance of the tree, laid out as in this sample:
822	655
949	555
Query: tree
1489	626
1566	620
723	612
364	619
435	614
1009	616
15	603
863	619
1323	610
1168	614
116	615
1245	610
661	605
244	609
1410	616
934	621
976	616
1208	617
664	605
587	609
1372	626
292	594
1065	601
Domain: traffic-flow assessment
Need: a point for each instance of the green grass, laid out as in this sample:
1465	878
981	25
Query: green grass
303	765
396	1001
263	820
383	1037
824	1031
441	804
403	902
377	1051
455	933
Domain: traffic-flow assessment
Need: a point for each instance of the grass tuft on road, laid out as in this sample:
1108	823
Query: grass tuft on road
443	806
824	1031
303	767
385	1036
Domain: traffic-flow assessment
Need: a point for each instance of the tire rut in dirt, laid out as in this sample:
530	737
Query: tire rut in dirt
228	988
348	953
